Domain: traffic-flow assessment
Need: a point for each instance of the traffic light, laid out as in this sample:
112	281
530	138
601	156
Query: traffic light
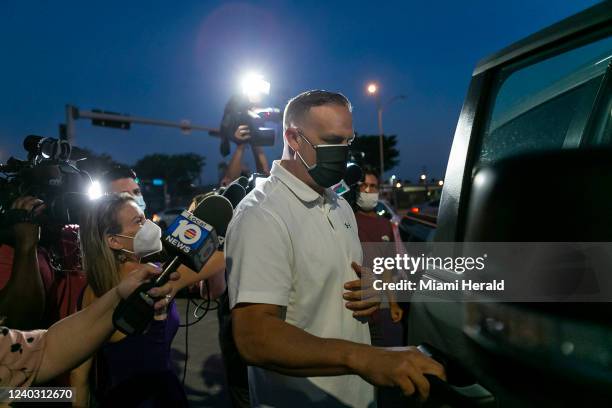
117	124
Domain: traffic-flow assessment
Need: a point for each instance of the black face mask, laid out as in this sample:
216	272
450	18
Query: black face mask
331	163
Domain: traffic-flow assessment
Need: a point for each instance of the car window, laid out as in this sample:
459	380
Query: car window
545	105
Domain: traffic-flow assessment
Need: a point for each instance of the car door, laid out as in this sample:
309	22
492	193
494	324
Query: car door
548	92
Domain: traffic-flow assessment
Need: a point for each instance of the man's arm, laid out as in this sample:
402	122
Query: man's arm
264	339
25	281
234	168
261	161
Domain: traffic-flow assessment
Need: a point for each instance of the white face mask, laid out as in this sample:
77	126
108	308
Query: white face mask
140	202
147	240
367	201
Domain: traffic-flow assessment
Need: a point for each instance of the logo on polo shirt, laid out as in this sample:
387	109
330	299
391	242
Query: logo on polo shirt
347	225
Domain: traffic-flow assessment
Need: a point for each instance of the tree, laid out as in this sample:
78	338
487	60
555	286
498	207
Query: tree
179	171
365	151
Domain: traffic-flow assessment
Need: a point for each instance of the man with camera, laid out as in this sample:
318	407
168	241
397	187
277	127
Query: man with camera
291	249
24	268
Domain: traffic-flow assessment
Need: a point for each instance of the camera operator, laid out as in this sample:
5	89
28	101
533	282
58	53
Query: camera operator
25	269
38	356
291	249
122	179
238	124
235	166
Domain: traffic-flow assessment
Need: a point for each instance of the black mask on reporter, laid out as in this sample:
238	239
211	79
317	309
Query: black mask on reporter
330	163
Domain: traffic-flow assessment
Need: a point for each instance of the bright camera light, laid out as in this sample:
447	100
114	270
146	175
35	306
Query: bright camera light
372	88
95	190
440	182
254	85
423	177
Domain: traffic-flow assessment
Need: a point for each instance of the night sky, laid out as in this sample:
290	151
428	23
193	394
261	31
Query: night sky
183	60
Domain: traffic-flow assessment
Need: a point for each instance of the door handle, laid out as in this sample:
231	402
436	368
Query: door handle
461	390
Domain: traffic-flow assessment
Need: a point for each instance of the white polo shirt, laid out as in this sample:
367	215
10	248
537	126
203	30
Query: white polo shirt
289	246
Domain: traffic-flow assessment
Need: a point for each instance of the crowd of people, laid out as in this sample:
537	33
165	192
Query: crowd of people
298	325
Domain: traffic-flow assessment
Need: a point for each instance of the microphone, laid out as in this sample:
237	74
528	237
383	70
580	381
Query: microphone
243	181
235	192
190	240
352	176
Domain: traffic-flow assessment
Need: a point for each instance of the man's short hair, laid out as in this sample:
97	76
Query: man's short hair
298	106
116	172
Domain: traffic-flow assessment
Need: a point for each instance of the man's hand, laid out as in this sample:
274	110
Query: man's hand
362	299
141	275
404	369
27	234
242	134
396	312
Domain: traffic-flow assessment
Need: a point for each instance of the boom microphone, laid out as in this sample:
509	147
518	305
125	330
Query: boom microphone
191	240
353	174
235	192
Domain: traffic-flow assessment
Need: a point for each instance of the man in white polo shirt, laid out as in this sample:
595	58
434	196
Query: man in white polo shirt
290	249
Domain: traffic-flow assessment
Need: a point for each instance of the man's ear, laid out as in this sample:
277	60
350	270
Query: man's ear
292	138
113	242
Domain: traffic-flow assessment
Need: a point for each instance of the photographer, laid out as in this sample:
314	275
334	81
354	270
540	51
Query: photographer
28	274
235	166
237	125
38	356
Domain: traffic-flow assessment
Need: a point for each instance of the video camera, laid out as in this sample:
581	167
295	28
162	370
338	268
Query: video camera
49	175
240	111
256	120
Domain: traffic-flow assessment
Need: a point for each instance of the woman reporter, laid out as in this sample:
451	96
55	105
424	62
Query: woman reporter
115	236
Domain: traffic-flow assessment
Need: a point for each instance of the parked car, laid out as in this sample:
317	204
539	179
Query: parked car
165	218
427	208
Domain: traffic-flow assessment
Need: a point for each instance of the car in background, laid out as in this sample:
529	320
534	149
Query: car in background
165	218
428	208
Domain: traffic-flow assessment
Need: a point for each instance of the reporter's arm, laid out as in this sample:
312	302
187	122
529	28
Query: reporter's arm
212	269
72	340
216	286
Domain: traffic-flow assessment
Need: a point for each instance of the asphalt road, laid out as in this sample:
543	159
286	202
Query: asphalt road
205	380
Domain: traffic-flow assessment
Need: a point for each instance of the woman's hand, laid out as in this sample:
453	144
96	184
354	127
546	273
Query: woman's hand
143	274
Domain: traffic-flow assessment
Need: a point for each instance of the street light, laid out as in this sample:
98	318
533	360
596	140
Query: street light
254	86
373	90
